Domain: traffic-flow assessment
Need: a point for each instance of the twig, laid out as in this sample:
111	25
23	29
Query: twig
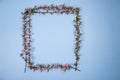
75	68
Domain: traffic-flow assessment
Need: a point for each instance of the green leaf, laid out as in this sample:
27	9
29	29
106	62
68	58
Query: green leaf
77	48
77	38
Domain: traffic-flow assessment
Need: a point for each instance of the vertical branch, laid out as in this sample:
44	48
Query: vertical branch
29	40
77	37
24	34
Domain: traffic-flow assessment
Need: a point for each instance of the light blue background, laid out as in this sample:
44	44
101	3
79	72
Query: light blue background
100	52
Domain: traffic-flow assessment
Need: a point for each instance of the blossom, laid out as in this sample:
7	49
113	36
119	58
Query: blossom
50	7
29	10
24	45
55	66
60	6
74	10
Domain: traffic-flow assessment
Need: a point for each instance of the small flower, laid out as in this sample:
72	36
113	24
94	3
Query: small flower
24	25
50	7
60	7
74	10
24	45
55	66
61	66
29	10
56	7
65	66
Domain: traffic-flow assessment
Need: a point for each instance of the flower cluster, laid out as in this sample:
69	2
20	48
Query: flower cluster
48	67
52	9
27	40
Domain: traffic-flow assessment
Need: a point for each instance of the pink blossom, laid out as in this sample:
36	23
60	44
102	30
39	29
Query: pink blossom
60	7
50	7
61	66
24	45
44	67
74	10
56	7
65	66
29	10
55	66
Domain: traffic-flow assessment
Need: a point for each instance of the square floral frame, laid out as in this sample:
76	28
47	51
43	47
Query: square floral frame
27	36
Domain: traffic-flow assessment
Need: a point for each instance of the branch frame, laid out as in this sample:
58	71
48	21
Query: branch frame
27	36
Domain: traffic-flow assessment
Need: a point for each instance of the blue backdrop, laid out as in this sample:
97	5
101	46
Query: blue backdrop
53	40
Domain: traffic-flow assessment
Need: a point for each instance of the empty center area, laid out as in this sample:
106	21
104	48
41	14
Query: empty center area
53	38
